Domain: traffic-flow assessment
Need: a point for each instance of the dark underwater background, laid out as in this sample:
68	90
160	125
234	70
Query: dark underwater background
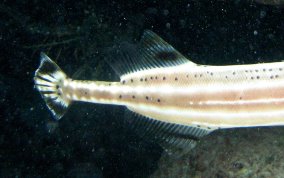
93	140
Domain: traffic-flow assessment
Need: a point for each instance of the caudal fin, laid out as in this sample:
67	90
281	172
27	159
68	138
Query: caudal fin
49	80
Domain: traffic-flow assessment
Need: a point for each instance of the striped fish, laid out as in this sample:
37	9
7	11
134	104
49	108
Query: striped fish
173	98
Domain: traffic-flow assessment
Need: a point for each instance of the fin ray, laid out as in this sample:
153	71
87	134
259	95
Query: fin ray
151	52
174	138
48	81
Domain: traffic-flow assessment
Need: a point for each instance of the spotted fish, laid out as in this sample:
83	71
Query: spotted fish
171	97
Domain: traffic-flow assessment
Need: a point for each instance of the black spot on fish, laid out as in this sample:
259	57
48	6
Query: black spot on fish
123	81
131	80
276	76
86	93
256	70
271	77
156	77
263	70
146	79
147	97
158	100
257	77
200	75
120	96
195	75
141	80
164	78
241	98
133	97
166	55
59	94
151	78
198	125
176	79
234	73
252	78
226	76
57	86
211	73
270	70
280	69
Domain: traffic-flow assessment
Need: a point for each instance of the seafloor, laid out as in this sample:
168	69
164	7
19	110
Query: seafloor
93	140
253	153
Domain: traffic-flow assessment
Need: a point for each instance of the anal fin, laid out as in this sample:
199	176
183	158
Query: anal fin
175	139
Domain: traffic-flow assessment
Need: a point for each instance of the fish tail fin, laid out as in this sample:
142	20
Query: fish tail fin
49	80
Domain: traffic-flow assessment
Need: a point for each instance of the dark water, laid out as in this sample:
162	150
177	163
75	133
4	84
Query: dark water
92	140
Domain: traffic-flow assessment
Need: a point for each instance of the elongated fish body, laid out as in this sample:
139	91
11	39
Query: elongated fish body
227	96
196	99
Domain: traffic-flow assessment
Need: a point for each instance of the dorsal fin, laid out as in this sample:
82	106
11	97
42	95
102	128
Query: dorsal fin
159	52
151	52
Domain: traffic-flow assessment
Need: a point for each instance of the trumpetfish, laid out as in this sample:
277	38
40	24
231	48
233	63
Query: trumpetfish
175	99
